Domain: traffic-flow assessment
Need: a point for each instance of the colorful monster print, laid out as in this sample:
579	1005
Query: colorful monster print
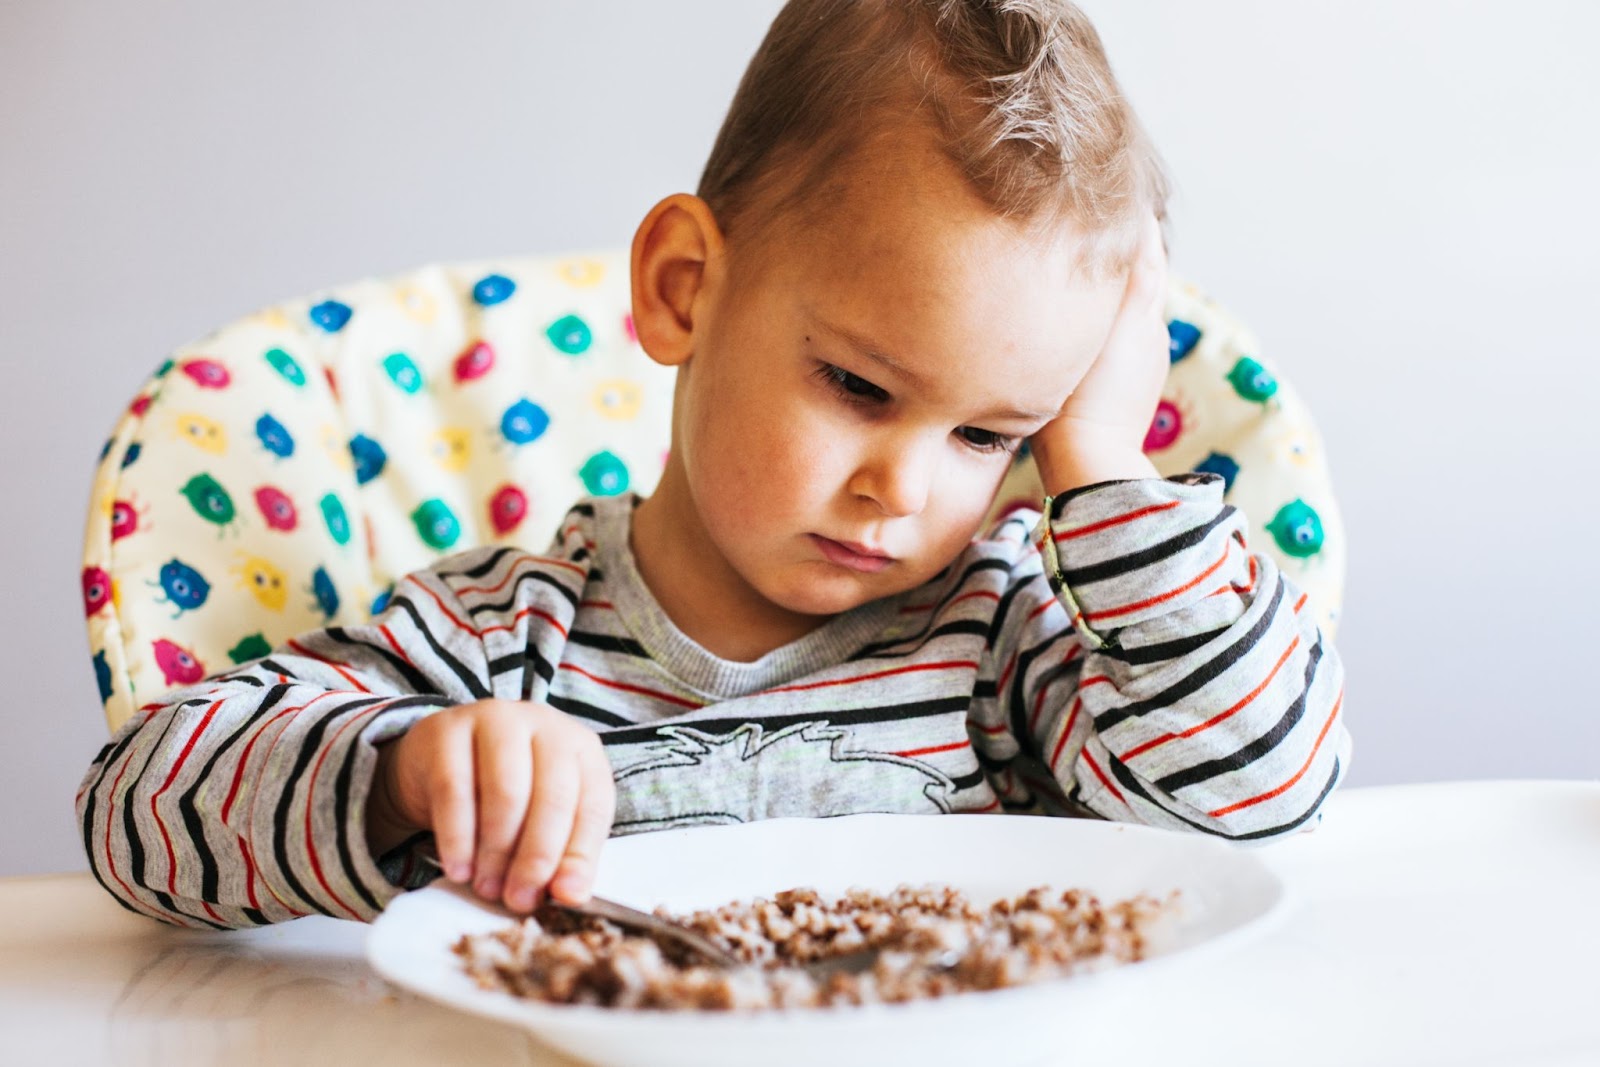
131	456
277	508
570	334
252	646
436	524
96	590
165	369
102	675
604	474
369	458
183	585
264	581
326	595
1252	381
1181	338
524	422
582	273
493	289
338	521
1165	428
330	315
205	434
629	331
1217	463
209	500
140	405
451	448
285	365
403	372
507	508
178	666
206	373
332	380
336	448
476	360
418	304
274	437
128	517
617	398
1298	529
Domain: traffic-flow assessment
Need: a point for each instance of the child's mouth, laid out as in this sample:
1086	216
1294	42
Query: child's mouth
846	556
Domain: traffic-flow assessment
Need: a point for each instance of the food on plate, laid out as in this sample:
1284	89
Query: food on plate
932	941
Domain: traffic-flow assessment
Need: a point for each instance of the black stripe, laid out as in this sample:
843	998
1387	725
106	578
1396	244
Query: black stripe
280	817
130	826
415	679
468	680
341	815
923	636
1177	649
481	569
586	711
1077	577
922	640
255	916
997	624
1272	831
586	510
607	643
1127	778
1206	672
501	607
542	668
1019	697
920	709
1248	754
968	781
277	668
984	689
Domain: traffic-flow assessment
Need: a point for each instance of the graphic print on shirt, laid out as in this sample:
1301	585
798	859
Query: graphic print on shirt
691	778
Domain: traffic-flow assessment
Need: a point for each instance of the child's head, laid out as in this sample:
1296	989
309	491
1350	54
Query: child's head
908	246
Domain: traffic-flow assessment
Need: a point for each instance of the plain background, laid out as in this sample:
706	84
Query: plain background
1398	196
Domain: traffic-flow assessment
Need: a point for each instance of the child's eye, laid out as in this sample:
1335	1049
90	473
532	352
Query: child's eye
855	389
987	440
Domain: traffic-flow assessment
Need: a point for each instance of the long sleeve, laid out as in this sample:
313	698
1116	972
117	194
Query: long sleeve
241	800
1161	672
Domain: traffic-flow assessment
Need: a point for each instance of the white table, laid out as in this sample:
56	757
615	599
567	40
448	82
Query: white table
1435	924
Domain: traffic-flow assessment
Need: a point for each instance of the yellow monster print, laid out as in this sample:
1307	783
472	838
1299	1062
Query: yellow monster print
264	581
205	434
451	448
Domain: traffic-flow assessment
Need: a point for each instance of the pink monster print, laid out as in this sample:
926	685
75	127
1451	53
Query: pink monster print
474	362
627	328
333	383
127	517
139	406
507	508
178	666
1164	428
207	373
277	507
96	590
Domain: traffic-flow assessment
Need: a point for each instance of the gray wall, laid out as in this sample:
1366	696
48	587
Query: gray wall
1399	197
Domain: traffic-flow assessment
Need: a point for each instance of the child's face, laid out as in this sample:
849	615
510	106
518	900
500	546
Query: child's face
792	436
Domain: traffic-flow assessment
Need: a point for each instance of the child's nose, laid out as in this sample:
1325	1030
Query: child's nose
897	477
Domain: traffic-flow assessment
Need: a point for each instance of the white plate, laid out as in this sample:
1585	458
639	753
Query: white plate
1225	891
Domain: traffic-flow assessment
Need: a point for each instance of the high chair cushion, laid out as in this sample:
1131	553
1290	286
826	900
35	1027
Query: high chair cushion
280	473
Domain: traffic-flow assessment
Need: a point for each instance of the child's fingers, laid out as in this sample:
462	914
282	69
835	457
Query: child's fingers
504	778
596	809
451	804
557	783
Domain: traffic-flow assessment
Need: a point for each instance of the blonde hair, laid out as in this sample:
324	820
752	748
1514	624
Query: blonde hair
1018	92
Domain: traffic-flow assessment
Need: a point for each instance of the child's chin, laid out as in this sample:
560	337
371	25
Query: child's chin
828	595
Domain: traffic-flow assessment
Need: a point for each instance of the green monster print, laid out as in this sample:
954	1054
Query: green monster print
333	514
604	474
209	500
1298	529
436	524
284	364
1252	381
570	334
403	372
254	646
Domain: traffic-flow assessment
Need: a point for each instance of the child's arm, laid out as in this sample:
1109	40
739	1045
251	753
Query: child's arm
1162	672
243	799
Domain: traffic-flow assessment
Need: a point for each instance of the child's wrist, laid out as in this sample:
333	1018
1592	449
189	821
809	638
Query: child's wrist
384	826
1087	458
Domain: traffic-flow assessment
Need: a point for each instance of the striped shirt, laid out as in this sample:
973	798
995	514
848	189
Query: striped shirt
1122	654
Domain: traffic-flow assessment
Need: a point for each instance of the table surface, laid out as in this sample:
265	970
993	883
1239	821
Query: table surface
1453	923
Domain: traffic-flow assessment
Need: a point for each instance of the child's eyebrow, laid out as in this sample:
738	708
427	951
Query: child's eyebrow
873	351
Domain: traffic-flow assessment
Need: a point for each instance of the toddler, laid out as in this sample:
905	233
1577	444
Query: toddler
929	233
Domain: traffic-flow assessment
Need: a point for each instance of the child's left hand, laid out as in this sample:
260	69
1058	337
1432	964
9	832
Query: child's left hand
1099	434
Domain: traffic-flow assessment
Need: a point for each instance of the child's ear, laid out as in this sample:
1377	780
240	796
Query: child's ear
676	251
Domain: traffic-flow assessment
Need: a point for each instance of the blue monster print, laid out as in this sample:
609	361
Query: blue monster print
183	586
523	422
493	289
131	456
105	449
381	601
369	457
275	437
1181	338
1217	463
327	596
331	315
102	675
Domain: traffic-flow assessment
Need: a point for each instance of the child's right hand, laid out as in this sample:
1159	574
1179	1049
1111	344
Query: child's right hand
518	795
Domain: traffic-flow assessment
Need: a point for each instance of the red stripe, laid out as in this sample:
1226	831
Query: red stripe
668	697
1298	604
523	614
311	793
993	731
942	665
1106	524
306	652
1247	698
520	568
177	765
604	604
238	769
995	803
1098	773
249	873
932	749
389	637
1269	794
1168	595
1060	744
1094	679
459	624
